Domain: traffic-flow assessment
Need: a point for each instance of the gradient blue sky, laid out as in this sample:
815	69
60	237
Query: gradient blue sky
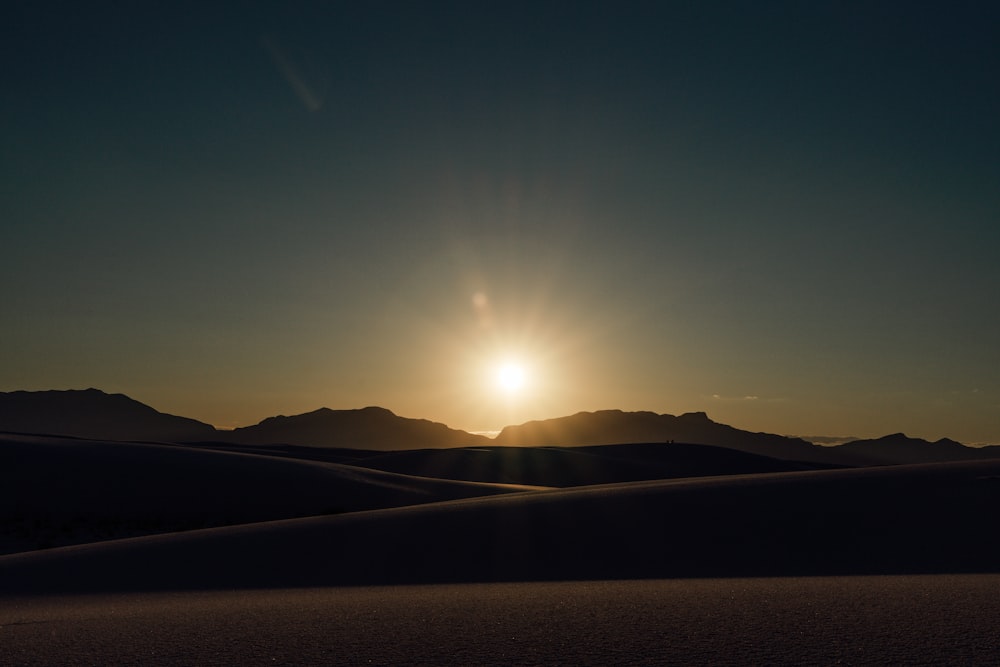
785	214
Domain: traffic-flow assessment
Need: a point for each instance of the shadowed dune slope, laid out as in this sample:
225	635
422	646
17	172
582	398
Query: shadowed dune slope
901	519
64	490
578	466
303	452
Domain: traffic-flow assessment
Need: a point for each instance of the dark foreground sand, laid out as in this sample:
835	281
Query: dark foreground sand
783	568
62	491
925	519
914	620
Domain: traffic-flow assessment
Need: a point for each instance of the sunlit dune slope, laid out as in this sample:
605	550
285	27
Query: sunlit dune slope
577	466
902	519
61	490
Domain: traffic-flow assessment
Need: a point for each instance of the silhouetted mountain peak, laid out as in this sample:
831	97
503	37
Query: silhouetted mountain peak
608	427
902	439
92	413
370	427
900	448
374	410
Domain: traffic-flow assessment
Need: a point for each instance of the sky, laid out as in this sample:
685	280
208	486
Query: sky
784	214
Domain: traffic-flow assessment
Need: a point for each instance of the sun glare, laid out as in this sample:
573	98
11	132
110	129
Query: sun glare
511	377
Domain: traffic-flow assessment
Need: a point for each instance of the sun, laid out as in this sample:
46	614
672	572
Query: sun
511	377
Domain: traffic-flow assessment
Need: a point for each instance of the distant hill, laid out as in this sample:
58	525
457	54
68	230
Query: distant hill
609	427
367	428
91	413
827	440
899	448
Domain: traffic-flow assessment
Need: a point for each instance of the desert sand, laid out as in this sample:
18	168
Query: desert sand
929	518
60	491
859	566
914	620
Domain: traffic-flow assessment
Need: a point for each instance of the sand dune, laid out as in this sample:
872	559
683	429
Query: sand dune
577	466
901	519
63	491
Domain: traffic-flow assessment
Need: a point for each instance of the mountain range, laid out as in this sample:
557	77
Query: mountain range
367	428
364	496
608	427
92	413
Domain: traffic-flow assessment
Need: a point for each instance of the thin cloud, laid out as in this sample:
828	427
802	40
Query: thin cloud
306	93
